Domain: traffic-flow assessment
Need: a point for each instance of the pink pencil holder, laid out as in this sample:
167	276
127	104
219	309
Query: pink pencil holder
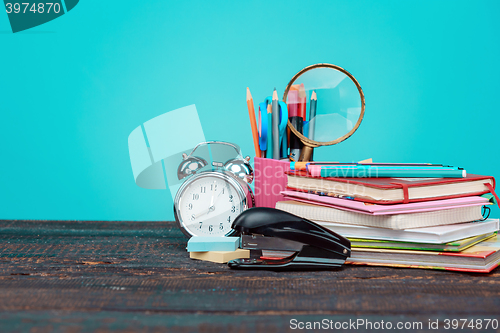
270	179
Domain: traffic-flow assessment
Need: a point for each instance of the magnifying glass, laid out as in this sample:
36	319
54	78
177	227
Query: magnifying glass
325	107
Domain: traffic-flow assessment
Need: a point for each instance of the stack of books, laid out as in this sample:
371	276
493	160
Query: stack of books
402	222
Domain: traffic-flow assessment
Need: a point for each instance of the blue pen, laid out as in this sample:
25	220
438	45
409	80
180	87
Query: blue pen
263	127
270	145
283	123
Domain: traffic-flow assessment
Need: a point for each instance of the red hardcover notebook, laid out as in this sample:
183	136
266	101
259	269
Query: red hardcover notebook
392	190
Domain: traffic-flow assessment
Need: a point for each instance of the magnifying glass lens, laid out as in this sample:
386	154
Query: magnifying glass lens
328	103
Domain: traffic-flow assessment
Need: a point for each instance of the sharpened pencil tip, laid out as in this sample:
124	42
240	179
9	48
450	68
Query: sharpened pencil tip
302	91
275	95
313	96
249	95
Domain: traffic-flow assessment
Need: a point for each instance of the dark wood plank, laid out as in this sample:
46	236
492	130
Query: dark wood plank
117	271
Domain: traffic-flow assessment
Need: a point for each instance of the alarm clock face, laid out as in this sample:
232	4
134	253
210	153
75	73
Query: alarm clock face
208	203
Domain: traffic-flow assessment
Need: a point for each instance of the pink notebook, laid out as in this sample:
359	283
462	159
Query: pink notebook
373	209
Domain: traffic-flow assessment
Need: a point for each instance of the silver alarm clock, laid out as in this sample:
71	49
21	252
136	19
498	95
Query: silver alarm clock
215	192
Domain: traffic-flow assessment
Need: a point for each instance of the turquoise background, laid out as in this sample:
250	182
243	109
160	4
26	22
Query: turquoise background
73	89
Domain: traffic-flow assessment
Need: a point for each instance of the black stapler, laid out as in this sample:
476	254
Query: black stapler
287	242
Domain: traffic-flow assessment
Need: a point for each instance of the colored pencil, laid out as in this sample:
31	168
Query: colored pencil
253	123
302	102
276	123
312	118
302	166
312	115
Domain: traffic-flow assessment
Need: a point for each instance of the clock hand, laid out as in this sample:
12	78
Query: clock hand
205	211
213	201
211	208
217	199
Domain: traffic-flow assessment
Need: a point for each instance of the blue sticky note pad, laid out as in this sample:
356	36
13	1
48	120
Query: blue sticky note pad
203	244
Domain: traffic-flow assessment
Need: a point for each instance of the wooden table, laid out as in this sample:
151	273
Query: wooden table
136	276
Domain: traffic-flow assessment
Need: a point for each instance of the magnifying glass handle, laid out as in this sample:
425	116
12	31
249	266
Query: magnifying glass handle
306	154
